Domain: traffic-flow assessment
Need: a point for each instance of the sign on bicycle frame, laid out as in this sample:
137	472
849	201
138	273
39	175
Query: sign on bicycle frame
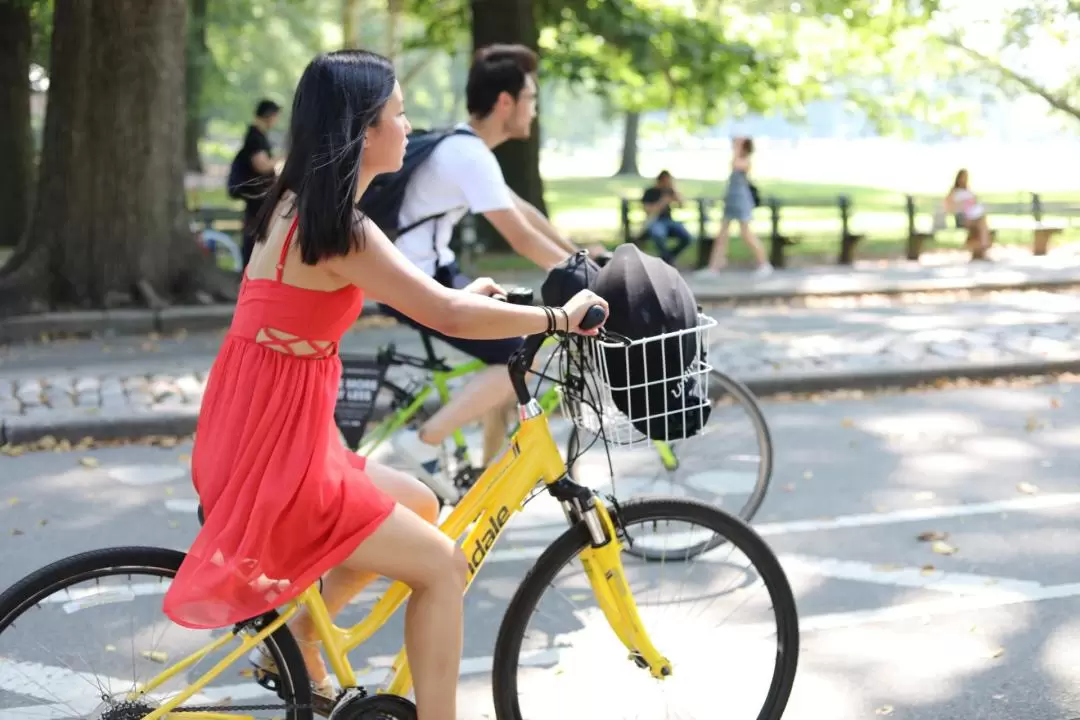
361	377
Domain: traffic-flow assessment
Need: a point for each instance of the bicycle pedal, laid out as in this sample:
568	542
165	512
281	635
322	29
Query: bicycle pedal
267	681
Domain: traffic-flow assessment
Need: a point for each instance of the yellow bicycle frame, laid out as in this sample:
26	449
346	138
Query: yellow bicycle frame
500	492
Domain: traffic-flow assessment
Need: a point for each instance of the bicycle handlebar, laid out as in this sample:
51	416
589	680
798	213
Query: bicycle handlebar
522	360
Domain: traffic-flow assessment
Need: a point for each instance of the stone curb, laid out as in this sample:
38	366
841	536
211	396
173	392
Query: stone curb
130	423
217	317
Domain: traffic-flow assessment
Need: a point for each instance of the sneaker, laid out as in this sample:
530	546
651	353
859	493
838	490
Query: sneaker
423	459
764	270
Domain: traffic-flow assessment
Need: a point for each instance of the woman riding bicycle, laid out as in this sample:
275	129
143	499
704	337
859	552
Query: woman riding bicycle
285	503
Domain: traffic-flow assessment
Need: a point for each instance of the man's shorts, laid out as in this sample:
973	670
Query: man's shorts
491	352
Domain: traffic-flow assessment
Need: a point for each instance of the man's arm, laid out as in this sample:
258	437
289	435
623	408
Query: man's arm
525	239
262	164
541	224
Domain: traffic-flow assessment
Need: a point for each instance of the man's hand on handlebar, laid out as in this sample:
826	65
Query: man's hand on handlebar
579	306
485	286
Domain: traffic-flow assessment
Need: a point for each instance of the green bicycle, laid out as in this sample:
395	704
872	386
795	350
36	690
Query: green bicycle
685	465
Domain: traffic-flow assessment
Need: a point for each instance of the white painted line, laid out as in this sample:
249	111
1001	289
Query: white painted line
932	608
179	505
913	577
1034	502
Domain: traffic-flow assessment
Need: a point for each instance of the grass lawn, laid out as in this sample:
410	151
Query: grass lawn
587	208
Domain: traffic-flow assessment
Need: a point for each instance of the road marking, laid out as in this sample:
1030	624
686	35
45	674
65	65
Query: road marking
932	608
914	577
1034	502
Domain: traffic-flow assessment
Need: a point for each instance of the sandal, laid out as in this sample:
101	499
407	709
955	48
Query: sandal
323	694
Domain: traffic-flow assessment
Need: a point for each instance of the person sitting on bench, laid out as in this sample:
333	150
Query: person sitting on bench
970	212
660	226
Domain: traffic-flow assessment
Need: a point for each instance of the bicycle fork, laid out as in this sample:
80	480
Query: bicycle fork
603	565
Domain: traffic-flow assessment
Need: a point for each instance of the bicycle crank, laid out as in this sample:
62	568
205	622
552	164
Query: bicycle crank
356	705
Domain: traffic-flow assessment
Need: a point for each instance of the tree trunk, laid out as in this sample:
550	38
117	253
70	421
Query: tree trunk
109	224
350	13
395	10
512	21
16	142
628	165
197	52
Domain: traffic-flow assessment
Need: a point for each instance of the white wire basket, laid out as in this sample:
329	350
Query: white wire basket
654	388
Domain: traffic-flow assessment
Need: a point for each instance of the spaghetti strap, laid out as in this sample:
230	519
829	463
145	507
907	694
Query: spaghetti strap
285	250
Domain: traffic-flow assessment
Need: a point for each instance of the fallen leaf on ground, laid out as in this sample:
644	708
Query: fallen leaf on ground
996	653
155	656
1026	487
90	462
924	495
1032	424
931	535
847	423
12	502
884	710
1055	403
928	570
807	475
110	648
942	548
43	522
17	531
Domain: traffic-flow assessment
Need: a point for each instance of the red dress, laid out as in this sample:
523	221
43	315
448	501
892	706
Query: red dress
284	500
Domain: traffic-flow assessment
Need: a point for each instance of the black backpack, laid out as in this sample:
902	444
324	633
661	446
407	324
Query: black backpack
382	200
243	184
654	382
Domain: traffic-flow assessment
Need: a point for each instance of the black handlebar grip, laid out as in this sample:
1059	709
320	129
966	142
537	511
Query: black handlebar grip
594	317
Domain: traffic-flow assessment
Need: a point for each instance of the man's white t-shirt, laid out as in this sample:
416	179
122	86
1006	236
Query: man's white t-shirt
460	176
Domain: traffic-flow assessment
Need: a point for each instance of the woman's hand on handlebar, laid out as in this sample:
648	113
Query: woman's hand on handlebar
484	286
578	306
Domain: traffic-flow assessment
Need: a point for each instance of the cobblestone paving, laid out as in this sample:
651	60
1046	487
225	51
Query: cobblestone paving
747	343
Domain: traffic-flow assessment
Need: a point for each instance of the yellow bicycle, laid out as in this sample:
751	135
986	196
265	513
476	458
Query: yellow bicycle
597	534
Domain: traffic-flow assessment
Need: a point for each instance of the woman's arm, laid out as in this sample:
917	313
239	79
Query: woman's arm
389	277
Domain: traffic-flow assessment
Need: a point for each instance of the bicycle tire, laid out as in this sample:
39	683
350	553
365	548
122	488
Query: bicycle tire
30	590
568	545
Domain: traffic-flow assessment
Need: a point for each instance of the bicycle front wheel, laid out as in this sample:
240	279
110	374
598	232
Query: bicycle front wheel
547	657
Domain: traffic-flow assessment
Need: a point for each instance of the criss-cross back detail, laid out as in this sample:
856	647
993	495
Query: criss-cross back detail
287	343
294	345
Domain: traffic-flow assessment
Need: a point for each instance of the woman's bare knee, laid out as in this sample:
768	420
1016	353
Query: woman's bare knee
405	547
406	489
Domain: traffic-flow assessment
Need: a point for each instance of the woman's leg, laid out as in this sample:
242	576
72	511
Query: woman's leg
752	240
342	584
409	549
718	256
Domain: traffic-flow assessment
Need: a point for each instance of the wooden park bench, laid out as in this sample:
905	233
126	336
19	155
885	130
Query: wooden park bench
1042	231
778	241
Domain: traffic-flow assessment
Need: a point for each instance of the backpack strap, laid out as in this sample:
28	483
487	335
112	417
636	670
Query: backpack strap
436	216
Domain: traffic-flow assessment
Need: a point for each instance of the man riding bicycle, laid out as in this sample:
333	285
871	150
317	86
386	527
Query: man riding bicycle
461	175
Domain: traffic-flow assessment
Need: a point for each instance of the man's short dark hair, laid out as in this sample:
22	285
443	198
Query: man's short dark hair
664	174
497	69
266	108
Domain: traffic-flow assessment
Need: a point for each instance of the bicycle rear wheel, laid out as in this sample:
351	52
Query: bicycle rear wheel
70	655
524	669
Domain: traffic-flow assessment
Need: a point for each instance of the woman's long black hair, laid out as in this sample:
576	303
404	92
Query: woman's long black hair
339	96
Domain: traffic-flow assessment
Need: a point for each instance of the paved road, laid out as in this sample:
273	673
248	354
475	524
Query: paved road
889	626
98	377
